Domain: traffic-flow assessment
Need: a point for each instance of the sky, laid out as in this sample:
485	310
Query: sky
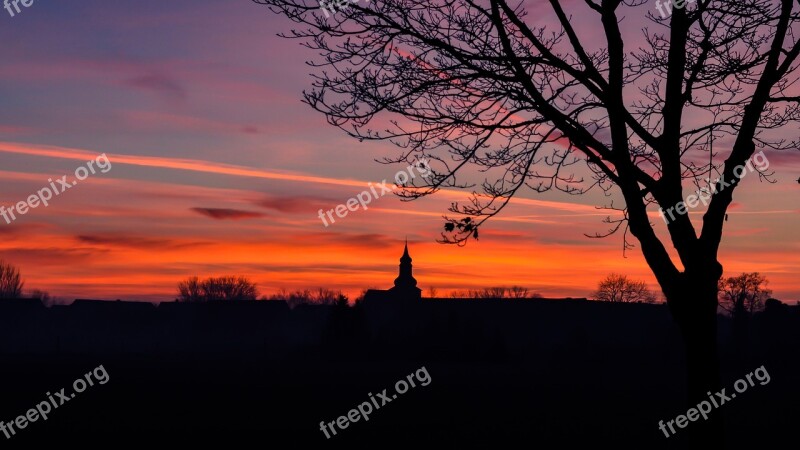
215	167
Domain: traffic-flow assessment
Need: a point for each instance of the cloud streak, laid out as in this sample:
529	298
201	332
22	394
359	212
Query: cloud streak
226	213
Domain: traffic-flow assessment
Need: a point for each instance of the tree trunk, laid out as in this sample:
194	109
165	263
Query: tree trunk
695	311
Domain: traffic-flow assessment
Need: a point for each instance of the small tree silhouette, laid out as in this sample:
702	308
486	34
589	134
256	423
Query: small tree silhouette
217	289
518	292
10	281
618	288
743	294
322	296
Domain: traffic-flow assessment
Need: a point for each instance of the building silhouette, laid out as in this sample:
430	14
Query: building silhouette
405	285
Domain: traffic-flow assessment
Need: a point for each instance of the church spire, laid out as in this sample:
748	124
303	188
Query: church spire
406	256
405	280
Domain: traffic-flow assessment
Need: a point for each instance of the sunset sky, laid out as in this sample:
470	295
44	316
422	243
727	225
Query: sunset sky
218	168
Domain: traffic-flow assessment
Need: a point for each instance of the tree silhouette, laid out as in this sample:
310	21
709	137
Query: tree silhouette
618	288
481	84
744	294
217	289
322	296
10	281
518	292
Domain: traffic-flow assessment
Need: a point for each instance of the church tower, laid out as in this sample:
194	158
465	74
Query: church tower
405	286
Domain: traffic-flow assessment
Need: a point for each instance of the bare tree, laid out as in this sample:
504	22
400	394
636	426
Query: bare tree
744	294
217	289
325	296
189	290
518	292
10	281
618	288
322	296
464	83
494	292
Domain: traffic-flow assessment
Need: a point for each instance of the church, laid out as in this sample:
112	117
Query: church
405	286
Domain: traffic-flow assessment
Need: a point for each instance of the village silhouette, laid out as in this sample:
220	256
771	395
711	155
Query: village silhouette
553	372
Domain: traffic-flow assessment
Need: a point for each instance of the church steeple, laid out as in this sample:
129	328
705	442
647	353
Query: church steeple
405	280
405	256
405	286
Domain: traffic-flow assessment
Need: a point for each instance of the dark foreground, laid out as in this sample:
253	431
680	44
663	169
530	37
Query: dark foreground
499	373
